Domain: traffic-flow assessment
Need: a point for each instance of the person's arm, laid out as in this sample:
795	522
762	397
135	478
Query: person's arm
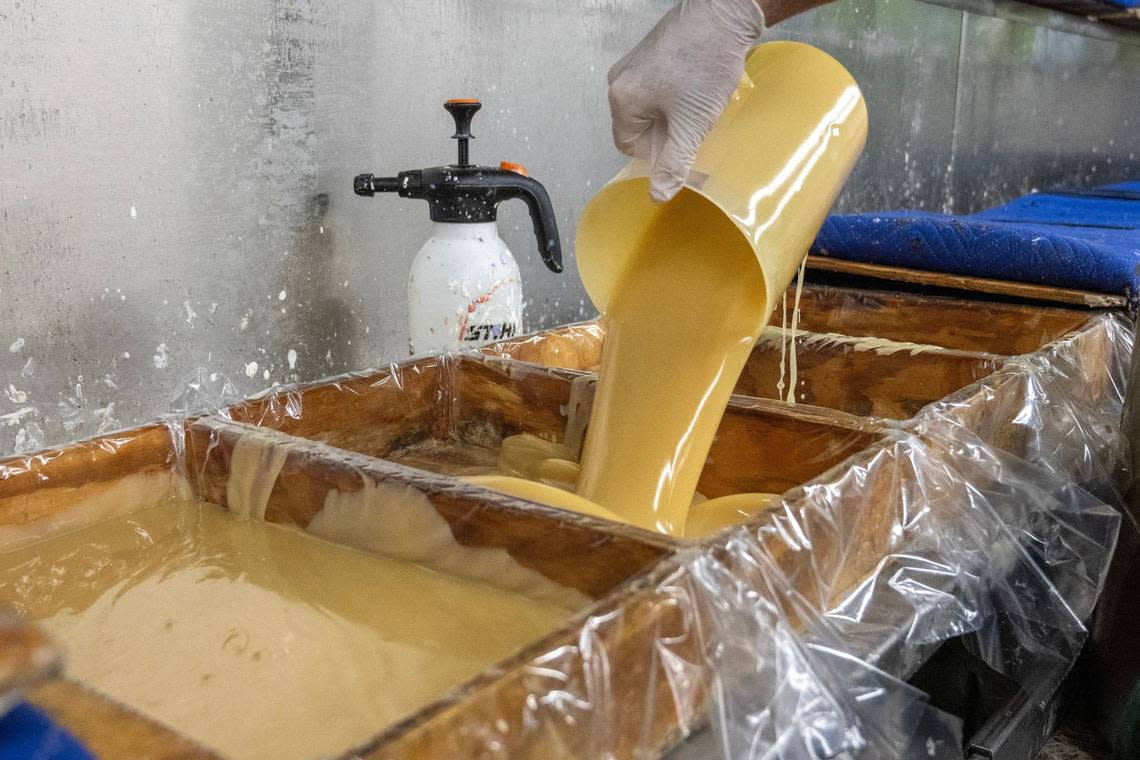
666	93
776	11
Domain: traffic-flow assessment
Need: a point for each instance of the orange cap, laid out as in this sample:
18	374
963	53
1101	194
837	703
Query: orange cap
463	100
507	166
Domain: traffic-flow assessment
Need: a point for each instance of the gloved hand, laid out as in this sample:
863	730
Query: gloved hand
666	93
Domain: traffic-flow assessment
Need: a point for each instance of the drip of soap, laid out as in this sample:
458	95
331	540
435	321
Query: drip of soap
255	463
794	378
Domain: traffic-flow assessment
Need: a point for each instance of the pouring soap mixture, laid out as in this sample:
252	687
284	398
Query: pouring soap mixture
687	287
680	326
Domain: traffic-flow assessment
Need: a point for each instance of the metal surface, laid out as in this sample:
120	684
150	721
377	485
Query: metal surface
175	182
1015	728
175	178
904	55
1018	732
1036	15
1038	108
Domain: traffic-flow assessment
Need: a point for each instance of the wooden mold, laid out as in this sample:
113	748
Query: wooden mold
761	446
987	327
63	489
590	559
869	353
410	428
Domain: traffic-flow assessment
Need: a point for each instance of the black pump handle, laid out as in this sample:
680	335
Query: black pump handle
509	184
463	111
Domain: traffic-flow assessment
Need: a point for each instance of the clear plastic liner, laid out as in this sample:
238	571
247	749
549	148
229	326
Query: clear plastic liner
1059	407
576	346
977	521
799	630
990	518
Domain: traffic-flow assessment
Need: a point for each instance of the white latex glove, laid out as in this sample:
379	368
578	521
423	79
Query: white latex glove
666	93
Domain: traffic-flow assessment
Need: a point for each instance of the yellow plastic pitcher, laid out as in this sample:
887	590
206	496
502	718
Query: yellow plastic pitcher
687	286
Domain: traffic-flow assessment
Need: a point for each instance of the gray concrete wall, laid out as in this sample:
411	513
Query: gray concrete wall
175	177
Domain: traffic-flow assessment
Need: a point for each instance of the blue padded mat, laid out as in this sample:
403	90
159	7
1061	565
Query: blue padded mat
1084	239
1073	210
1132	186
27	732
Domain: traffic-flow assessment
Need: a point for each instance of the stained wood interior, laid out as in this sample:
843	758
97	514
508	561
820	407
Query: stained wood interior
570	347
761	446
35	485
368	412
967	325
860	379
986	327
572	550
64	488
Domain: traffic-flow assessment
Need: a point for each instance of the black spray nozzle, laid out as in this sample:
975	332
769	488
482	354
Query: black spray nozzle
367	185
466	194
463	111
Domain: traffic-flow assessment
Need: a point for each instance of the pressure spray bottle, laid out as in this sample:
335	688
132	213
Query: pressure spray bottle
464	289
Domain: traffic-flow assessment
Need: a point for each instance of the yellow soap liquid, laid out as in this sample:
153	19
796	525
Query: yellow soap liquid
258	640
543	493
680	326
709	516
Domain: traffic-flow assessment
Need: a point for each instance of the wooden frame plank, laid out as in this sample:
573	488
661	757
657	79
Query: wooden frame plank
61	489
489	399
969	284
858	376
364	411
986	326
992	327
575	551
110	730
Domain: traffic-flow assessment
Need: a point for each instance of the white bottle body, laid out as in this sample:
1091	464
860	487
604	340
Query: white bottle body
464	289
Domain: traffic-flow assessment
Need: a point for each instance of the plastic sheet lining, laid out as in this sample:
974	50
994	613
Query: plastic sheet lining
990	517
940	533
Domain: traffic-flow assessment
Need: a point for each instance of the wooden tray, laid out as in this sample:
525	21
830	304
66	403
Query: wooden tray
405	424
945	344
430	412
